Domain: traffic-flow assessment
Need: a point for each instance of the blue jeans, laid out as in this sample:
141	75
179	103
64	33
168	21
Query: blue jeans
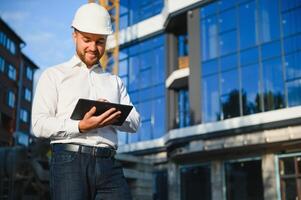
83	176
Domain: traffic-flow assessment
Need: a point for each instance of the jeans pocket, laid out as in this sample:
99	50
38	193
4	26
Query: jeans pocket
63	157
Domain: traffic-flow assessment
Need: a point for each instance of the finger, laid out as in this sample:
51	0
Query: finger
114	116
110	122
102	100
90	113
106	114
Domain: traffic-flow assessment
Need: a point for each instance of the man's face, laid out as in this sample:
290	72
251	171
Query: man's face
89	47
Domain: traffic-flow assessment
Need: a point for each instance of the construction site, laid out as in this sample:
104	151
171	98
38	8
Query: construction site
217	84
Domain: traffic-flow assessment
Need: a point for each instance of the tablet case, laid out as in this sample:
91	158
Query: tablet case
84	105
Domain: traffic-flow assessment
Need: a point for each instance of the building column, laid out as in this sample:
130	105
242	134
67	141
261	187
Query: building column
194	82
268	176
217	180
174	190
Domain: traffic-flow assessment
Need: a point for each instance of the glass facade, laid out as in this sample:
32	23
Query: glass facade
132	12
7	43
141	67
183	108
241	177
250	57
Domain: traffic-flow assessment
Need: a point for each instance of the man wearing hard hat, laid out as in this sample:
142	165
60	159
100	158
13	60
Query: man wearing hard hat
82	163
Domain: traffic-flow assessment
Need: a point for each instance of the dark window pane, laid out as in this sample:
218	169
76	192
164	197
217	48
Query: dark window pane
269	21
273	85
210	99
247	24
250	89
195	183
293	66
209	67
230	105
293	92
249	56
241	177
209	38
271	50
161	185
228	42
228	62
287	166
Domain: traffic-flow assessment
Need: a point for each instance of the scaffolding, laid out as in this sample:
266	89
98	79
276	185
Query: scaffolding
111	56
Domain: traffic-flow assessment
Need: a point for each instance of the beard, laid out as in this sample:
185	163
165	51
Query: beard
89	58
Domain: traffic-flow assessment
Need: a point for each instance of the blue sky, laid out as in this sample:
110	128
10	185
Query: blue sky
44	26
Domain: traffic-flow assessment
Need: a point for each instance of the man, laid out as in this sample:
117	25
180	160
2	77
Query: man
83	164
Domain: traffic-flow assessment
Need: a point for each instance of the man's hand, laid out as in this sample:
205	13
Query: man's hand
90	122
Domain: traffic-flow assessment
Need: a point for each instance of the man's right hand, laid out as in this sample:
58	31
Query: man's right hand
90	122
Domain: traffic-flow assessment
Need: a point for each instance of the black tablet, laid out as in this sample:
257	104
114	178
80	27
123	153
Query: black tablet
84	105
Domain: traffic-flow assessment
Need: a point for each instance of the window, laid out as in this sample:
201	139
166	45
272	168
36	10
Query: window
27	94
12	72
7	43
160	185
183	108
142	67
24	115
29	73
290	176
11	99
241	177
2	64
195	182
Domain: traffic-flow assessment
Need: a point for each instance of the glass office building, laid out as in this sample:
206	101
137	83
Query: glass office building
218	87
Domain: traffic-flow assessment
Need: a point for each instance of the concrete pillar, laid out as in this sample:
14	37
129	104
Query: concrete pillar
217	180
268	177
173	182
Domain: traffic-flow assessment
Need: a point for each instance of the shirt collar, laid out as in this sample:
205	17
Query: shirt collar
76	62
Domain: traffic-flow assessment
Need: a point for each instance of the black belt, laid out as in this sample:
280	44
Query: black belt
105	152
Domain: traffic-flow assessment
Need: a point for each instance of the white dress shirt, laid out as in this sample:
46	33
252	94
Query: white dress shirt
57	93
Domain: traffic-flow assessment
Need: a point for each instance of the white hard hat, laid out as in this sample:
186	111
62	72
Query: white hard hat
92	18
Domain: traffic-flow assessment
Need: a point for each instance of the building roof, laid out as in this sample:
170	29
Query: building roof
5	25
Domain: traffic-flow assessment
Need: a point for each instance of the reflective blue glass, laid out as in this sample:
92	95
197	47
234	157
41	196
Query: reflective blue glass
269	20
123	21
183	108
145	110
134	73
228	42
145	130
271	50
123	6
209	38
158	70
292	44
122	138
291	22
273	84
146	59
286	5
133	137
182	45
209	67
146	94
146	78
123	68
229	82
230	105
294	91
158	117
227	20
293	66
249	56
225	4
210	9
247	25
210	99
250	89
228	62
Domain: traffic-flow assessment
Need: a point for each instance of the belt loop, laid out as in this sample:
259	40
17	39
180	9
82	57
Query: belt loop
80	149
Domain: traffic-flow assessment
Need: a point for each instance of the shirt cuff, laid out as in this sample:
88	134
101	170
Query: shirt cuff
72	127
